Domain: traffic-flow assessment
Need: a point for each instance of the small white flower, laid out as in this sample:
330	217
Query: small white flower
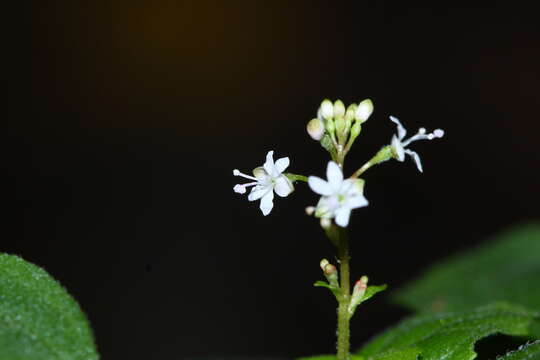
399	145
267	179
339	196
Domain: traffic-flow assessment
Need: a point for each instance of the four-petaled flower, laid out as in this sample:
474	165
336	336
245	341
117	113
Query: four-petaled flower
339	196
399	145
267	179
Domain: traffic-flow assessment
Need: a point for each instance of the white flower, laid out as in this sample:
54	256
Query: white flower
267	179
399	145
339	196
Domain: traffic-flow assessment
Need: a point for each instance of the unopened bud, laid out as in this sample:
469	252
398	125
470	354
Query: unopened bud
364	110
330	269
323	263
330	272
315	129
358	292
339	108
351	112
360	288
326	223
327	109
340	128
355	130
310	210
330	126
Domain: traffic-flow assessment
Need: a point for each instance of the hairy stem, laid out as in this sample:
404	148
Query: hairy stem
343	342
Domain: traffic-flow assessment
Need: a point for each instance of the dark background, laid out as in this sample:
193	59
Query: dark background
121	159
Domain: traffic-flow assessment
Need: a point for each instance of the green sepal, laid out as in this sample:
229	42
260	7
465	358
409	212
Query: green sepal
327	144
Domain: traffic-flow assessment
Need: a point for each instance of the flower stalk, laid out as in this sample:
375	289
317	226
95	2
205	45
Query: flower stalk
336	128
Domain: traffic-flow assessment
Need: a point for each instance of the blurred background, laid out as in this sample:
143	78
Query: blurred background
121	159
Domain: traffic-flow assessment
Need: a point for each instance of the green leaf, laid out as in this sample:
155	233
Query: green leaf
526	352
507	268
449	335
372	290
334	290
38	318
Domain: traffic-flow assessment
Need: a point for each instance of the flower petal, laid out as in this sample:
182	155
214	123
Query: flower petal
282	164
342	216
401	130
416	158
266	203
334	175
283	186
269	164
258	192
356	202
319	186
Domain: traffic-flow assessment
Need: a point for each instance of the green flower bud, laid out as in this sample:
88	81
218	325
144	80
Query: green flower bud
355	130
364	110
326	143
339	108
330	126
351	111
340	128
315	129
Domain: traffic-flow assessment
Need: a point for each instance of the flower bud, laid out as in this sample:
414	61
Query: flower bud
351	112
364	110
315	129
327	109
355	130
326	223
330	126
310	210
340	128
339	108
358	292
360	288
330	272
323	263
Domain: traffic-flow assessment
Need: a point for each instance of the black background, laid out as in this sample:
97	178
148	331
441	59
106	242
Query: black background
122	152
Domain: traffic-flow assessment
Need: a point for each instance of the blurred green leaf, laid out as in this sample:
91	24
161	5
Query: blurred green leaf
526	352
38	318
328	357
449	336
506	268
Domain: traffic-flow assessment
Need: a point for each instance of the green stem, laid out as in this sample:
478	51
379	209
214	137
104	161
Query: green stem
296	177
338	237
343	342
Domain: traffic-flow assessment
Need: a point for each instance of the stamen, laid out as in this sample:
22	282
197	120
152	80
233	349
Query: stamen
439	133
237	172
241	188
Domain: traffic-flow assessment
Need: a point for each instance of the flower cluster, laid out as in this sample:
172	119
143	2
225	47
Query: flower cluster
336	128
